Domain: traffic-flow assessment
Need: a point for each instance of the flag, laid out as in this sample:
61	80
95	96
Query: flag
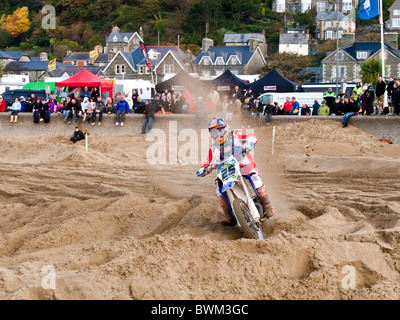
52	65
368	9
145	55
93	54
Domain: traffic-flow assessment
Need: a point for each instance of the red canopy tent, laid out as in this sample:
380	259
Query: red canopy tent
86	78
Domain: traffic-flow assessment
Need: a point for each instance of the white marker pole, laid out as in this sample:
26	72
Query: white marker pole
273	139
86	136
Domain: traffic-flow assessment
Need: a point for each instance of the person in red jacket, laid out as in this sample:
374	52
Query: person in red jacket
2	105
288	106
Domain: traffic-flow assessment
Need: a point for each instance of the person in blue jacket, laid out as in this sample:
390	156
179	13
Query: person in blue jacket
121	109
15	109
295	107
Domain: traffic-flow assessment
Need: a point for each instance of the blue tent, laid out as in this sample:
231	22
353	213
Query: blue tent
274	82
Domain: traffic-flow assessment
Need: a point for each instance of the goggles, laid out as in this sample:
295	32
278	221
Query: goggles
217	133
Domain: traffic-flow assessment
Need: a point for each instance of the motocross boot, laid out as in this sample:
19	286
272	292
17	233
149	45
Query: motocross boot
229	219
266	204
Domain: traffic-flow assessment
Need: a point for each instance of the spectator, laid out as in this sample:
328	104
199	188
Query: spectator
47	111
351	110
258	110
288	105
129	100
52	105
164	104
85	93
121	109
329	98
43	109
109	106
315	108
85	107
337	108
380	92
116	99
323	110
2	105
269	111
167	95
100	108
396	98
61	106
236	95
295	107
23	104
76	109
78	135
175	104
341	95
280	111
149	111
389	90
187	100
135	96
305	110
94	94
251	95
15	109
369	97
139	106
67	111
359	91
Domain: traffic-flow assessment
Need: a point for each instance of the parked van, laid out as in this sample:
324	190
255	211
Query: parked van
302	97
146	89
10	95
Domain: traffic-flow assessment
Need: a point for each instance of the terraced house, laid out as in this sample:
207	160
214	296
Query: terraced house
296	6
351	54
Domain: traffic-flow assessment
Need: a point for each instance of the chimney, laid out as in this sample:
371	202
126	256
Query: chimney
347	40
391	39
44	56
253	44
141	33
207	43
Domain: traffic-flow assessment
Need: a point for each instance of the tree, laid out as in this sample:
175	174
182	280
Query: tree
18	23
371	69
290	66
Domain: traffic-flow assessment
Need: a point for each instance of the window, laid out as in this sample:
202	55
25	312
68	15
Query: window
141	69
119	69
147	70
235	72
206	73
328	24
280	6
342	24
362	54
219	61
123	68
115	39
168	68
320	6
347	6
305	5
234	61
74	62
395	23
396	12
340	32
340	56
342	72
171	68
218	73
206	61
291	9
329	34
126	39
331	7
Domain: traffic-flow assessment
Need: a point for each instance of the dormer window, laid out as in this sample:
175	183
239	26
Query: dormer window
126	39
207	61
115	39
153	54
362	55
234	60
219	61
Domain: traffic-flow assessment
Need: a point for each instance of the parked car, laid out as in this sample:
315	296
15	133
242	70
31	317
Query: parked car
10	95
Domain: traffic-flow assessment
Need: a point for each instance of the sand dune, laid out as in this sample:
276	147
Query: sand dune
114	227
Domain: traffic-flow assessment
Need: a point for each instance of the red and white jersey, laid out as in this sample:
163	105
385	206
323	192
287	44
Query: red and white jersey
234	145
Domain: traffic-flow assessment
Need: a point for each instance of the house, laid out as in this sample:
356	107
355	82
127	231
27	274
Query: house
333	24
214	61
122	41
79	59
243	39
296	6
393	23
66	72
132	65
351	54
36	70
12	56
294	42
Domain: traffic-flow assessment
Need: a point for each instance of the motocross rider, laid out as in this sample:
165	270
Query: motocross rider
238	144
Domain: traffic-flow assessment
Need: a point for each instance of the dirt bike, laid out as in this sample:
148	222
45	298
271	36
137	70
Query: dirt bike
242	197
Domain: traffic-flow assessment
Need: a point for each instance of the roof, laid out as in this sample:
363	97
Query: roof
276	81
102	58
75	56
369	46
229	79
31	66
293	38
82	78
72	70
331	16
242	37
15	55
120	36
243	53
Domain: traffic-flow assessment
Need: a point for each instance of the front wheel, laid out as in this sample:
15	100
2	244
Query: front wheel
251	229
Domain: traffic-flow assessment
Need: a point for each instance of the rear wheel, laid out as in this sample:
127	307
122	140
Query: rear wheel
251	229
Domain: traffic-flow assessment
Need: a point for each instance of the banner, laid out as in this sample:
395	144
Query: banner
368	9
145	55
52	65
